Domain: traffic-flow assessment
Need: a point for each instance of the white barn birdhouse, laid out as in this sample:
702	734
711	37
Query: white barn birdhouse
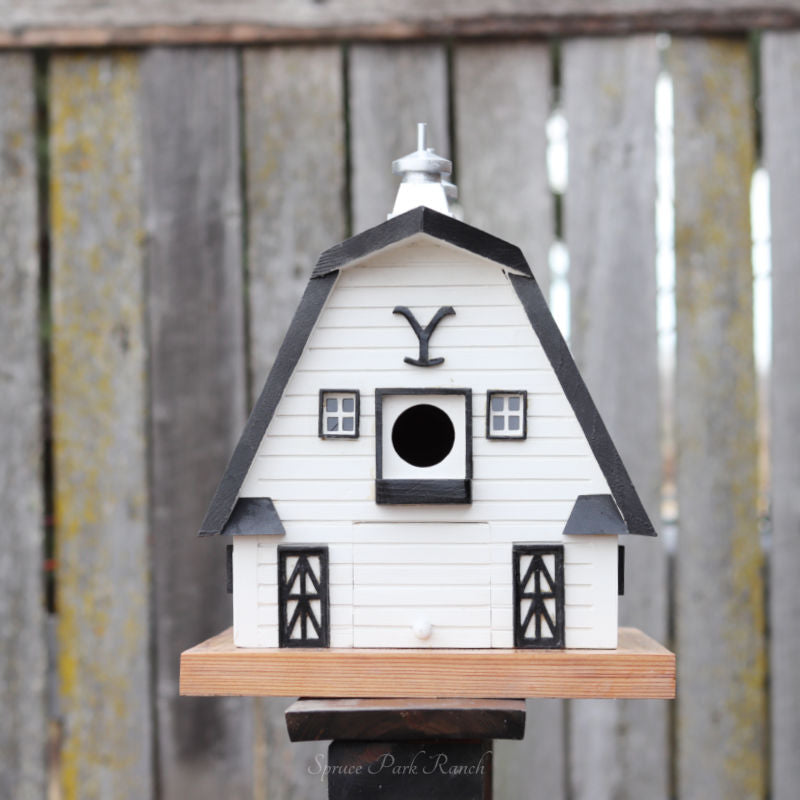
425	467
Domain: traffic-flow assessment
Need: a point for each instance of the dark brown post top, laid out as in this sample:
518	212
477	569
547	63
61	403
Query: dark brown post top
396	719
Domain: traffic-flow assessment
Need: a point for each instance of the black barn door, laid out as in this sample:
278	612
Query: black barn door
303	608
538	595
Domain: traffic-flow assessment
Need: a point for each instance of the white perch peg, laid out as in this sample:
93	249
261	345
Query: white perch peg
422	628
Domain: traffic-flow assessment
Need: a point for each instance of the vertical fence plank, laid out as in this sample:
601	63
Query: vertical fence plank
618	749
295	176
23	726
780	75
502	102
98	383
392	88
190	123
719	591
296	203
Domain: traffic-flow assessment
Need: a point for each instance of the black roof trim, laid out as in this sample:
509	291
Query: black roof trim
422	220
254	516
595	514
594	428
222	503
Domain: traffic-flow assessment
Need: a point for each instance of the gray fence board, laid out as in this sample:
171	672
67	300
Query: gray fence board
719	590
98	391
296	200
296	208
70	23
23	727
190	124
781	91
392	88
502	102
618	749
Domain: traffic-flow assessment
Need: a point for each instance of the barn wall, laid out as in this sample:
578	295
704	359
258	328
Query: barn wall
386	577
524	489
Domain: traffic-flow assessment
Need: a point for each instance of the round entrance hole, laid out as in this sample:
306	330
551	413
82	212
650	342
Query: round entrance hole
423	435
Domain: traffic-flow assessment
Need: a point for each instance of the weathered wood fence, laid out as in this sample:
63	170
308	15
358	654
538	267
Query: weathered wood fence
160	211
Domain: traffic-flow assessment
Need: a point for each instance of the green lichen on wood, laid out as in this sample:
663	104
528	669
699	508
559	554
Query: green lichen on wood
23	660
98	384
721	648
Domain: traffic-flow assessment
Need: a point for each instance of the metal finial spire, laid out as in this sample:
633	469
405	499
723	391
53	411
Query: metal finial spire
424	178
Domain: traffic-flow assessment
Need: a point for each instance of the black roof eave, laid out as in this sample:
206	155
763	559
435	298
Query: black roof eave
427	221
594	514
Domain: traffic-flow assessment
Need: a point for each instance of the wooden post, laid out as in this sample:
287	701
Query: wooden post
197	391
781	81
501	96
620	750
294	134
23	725
433	749
99	426
719	589
501	99
392	88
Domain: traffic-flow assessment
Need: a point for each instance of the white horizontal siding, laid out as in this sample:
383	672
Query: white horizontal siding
245	594
346	510
590	597
507	317
388	296
464	359
386	576
540	404
419	534
551	428
433	567
449	335
404	637
439	616
404	375
420	574
397	554
442	596
336	490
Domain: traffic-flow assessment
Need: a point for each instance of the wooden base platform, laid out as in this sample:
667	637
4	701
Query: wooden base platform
638	668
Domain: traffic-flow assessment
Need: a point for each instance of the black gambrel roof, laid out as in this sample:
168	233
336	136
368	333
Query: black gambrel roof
451	231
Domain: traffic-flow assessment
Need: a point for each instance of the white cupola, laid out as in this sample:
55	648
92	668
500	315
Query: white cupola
424	179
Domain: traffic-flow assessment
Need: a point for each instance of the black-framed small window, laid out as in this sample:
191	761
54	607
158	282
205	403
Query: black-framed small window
339	411
507	415
538	575
303	597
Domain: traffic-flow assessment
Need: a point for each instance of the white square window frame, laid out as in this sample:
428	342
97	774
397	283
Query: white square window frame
391	403
518	435
324	415
400	483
